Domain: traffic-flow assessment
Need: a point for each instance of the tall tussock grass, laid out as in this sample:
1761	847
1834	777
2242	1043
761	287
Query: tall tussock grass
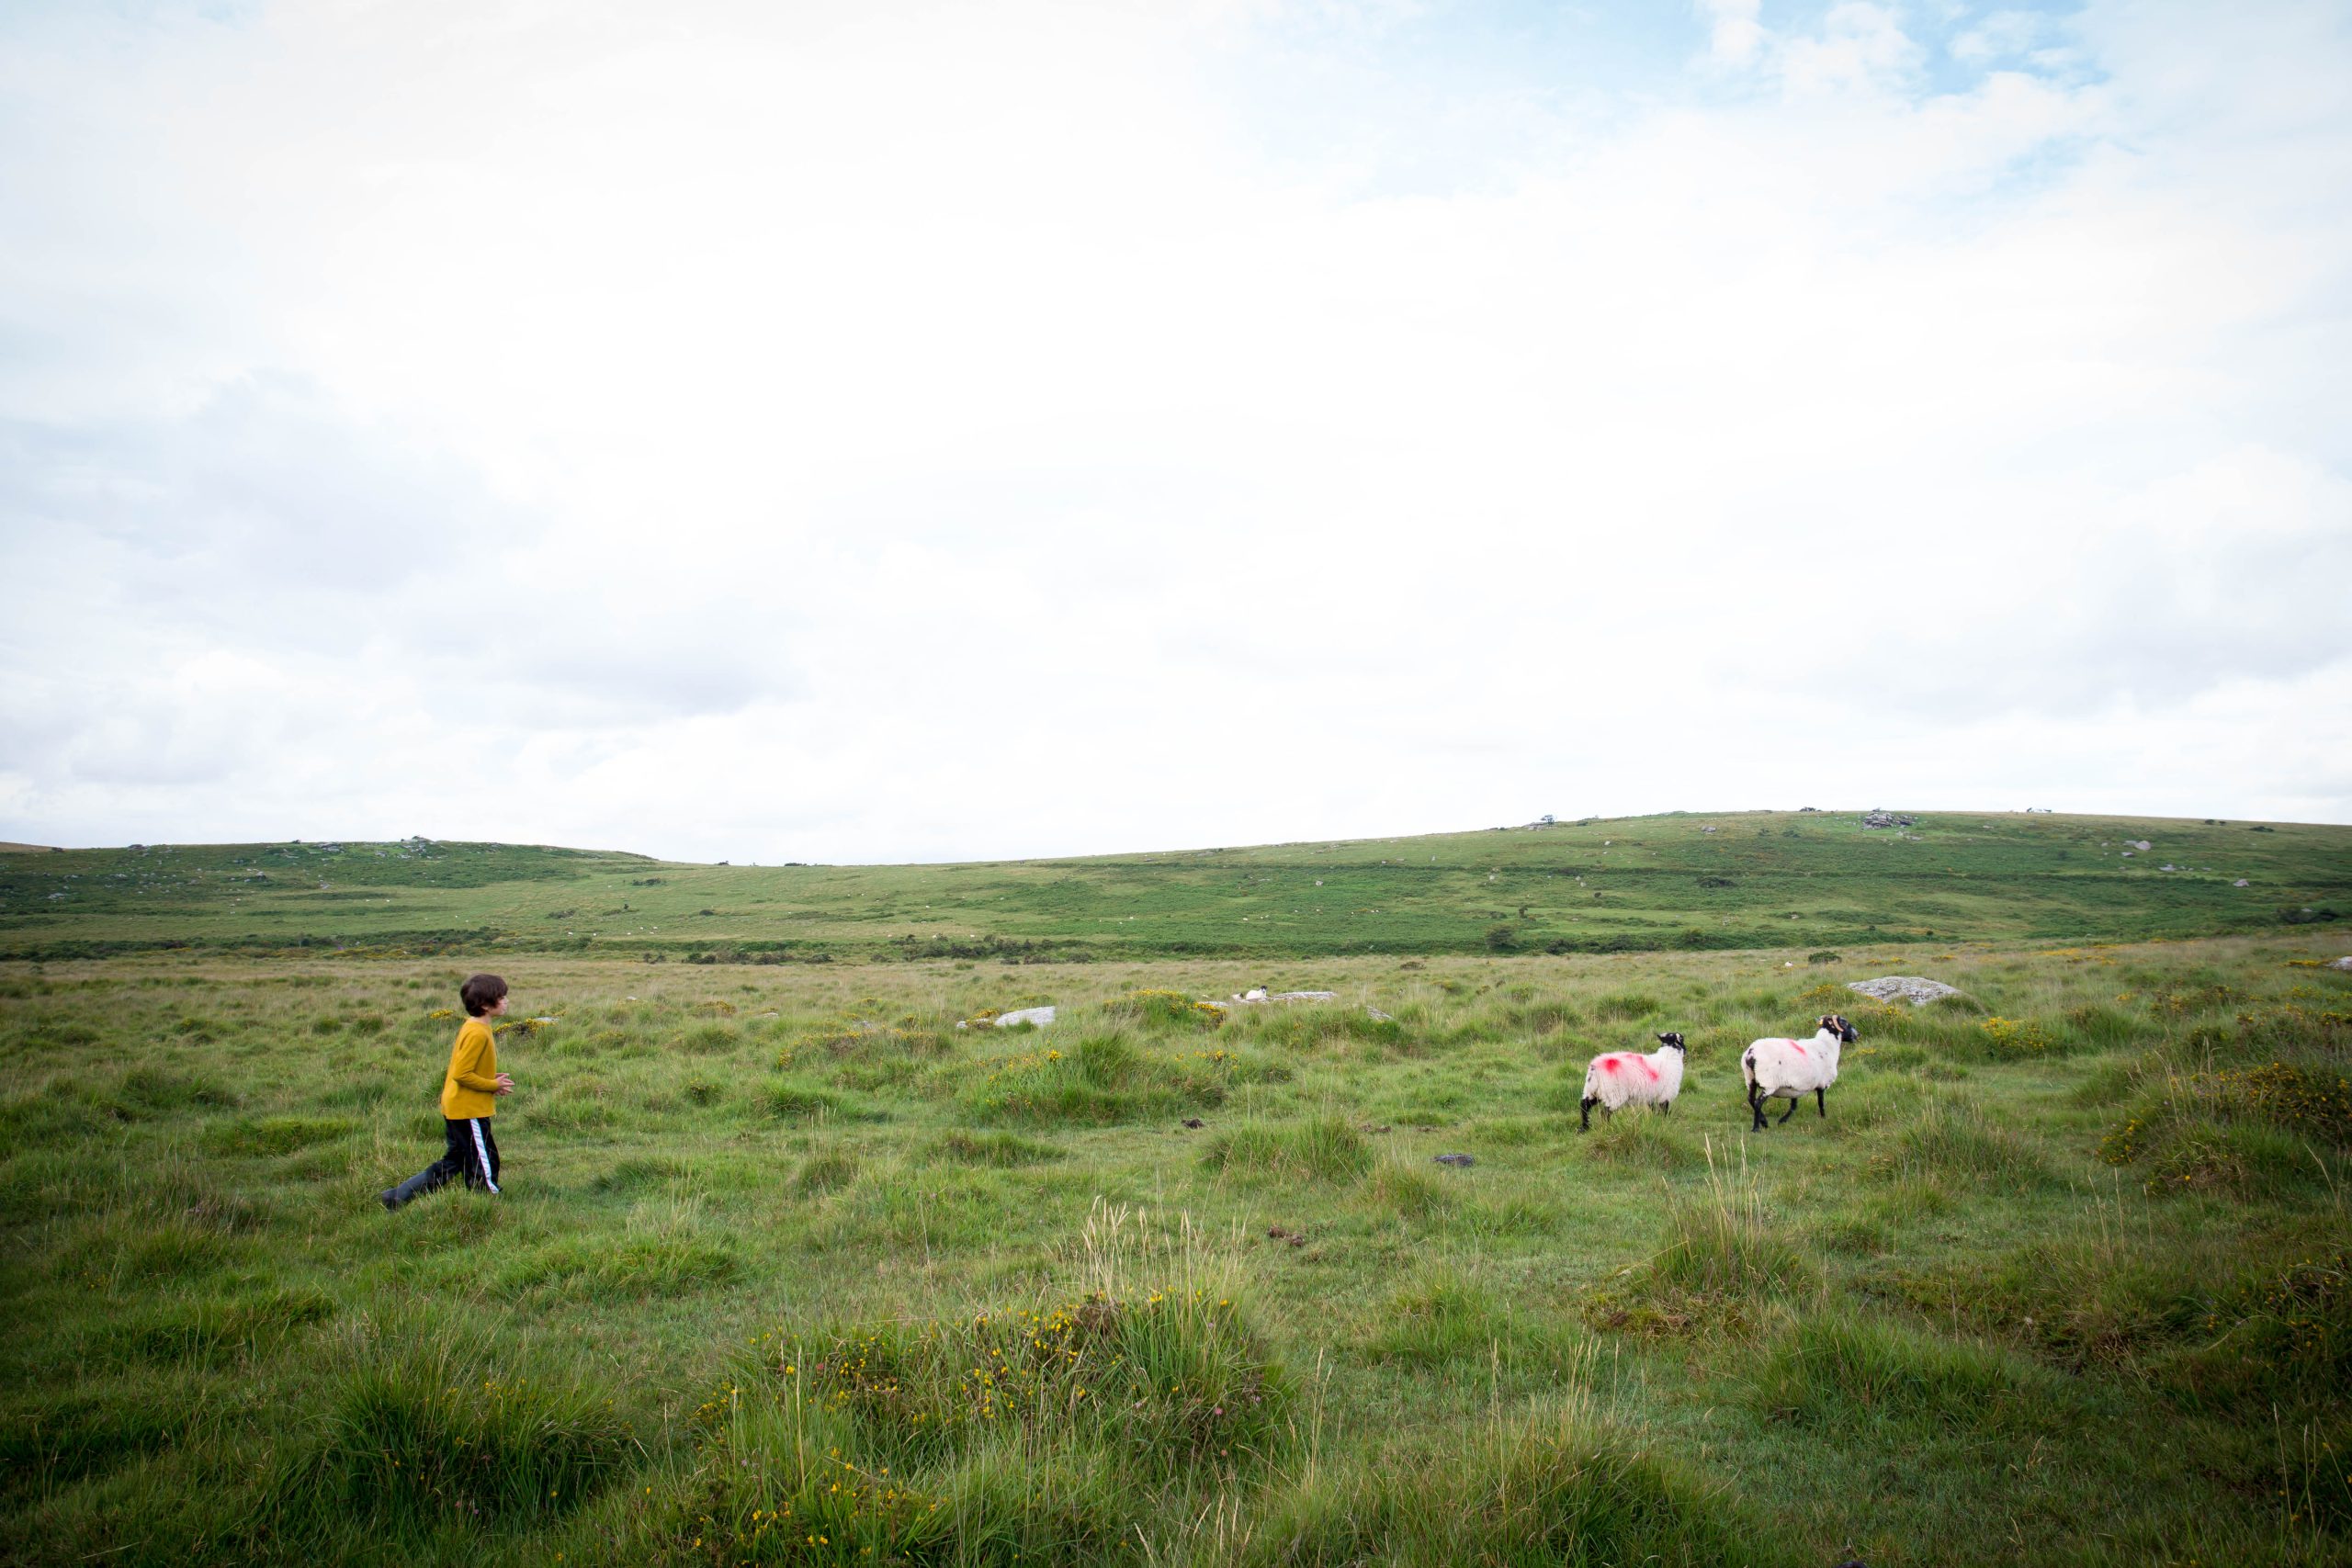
1166	1380
1325	1149
1720	1241
1836	1368
1106	1079
1958	1141
1409	1191
2259	1109
1558	1486
1638	1139
423	1430
1721	1256
1168	1375
1031	1434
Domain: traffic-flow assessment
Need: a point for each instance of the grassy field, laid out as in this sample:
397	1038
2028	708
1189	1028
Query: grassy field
1676	883
789	1269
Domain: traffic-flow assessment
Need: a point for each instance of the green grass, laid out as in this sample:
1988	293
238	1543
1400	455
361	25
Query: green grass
790	1268
1816	883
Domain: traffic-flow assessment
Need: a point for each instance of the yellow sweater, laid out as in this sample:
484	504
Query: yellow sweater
471	1086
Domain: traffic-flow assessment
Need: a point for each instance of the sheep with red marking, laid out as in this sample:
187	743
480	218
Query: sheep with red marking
1790	1069
1628	1078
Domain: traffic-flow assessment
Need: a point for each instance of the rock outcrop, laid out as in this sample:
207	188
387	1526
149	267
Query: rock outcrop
1916	989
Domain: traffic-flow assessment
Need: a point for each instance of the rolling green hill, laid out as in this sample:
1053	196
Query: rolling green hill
1694	881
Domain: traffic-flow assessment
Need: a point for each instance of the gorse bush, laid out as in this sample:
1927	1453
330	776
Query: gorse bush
2016	1037
2205	1129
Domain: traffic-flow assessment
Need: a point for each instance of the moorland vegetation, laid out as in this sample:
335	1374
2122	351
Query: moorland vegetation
790	1269
1684	881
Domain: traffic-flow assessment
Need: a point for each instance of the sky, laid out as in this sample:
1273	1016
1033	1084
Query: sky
879	432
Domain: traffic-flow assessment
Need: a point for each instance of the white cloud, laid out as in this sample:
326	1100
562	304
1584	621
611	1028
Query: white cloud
1735	36
885	433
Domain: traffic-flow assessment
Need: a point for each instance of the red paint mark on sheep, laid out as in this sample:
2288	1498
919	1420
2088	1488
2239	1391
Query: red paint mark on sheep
1608	1064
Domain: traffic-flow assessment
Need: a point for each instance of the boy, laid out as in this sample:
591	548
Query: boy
468	1099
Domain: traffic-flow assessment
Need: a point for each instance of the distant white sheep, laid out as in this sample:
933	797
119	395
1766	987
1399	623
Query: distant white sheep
1780	1068
1628	1078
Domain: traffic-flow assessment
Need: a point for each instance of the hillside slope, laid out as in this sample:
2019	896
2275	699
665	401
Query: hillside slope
1688	880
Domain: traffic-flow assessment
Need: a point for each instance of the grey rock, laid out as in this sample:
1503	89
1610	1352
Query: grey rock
1038	1016
1916	989
1455	1159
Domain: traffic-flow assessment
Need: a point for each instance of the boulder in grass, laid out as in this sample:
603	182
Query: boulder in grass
1038	1016
1913	988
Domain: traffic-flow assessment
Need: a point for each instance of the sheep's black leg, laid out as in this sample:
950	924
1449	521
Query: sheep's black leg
1663	1106
1821	1098
1795	1099
1756	1108
1590	1101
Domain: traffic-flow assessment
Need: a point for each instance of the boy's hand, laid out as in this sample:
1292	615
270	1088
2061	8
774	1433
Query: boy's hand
505	1083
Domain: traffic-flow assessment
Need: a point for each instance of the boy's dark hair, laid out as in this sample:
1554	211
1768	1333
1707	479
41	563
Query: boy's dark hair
480	993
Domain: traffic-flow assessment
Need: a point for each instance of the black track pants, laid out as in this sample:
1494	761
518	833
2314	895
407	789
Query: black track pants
472	1154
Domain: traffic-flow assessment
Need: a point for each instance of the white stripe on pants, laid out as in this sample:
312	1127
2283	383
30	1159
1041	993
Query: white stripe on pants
481	1152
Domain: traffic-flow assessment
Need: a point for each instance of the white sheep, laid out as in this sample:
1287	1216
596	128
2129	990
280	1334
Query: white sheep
1628	1078
1782	1068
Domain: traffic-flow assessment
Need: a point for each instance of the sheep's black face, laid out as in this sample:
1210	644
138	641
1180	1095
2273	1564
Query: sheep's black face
1846	1034
1673	1041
